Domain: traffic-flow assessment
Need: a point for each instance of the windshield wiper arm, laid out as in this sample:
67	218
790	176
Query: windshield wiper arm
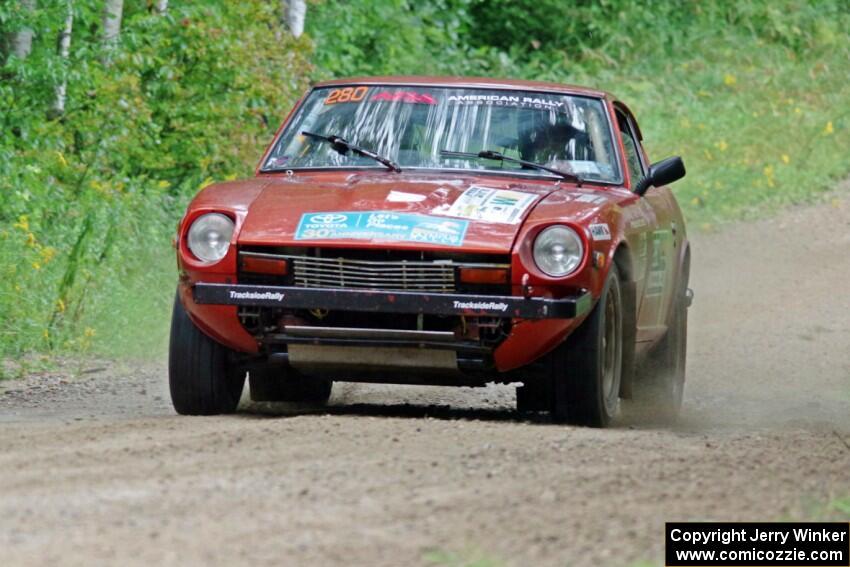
343	146
490	154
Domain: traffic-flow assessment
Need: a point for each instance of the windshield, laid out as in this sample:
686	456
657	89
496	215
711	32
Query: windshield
411	125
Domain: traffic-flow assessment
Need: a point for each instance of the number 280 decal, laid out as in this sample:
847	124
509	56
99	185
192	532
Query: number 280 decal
348	94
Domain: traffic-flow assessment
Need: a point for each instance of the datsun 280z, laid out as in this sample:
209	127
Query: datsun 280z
453	232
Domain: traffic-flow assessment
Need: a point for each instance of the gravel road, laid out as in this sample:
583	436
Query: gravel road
96	469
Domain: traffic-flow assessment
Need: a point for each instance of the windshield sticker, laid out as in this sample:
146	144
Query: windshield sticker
600	232
404	96
508	100
586	167
348	94
487	204
381	225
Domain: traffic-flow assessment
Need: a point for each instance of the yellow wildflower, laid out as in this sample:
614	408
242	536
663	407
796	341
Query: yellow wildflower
60	305
828	129
729	79
47	254
164	184
23	223
31	240
36	266
721	145
62	159
45	333
89	332
786	159
768	172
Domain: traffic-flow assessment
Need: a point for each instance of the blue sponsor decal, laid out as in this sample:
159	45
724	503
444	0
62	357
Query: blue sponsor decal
382	225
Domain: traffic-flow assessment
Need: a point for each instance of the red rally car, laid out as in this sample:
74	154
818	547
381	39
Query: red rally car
456	232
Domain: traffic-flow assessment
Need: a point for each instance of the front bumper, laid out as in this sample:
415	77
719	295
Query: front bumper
367	301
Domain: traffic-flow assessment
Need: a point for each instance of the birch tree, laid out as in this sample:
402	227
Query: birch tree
113	10
292	15
21	41
64	50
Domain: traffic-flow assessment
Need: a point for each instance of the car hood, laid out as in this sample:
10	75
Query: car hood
417	212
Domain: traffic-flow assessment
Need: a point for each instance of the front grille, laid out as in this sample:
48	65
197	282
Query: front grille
436	276
374	269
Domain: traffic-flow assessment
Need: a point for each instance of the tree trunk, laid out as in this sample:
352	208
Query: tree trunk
161	7
22	39
112	12
58	108
292	15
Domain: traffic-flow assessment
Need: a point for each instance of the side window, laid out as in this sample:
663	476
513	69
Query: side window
632	159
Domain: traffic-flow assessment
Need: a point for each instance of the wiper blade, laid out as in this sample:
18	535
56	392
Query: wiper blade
343	146
498	156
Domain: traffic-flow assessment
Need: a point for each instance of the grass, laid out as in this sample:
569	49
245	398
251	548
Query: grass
840	507
468	558
759	127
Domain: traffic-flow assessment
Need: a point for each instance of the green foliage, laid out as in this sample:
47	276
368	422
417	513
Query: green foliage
387	36
89	201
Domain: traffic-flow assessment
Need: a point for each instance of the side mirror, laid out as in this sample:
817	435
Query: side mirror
661	173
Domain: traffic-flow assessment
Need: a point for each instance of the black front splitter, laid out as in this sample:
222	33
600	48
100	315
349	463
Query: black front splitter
367	301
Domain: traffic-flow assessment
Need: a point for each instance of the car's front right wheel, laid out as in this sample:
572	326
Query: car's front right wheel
202	376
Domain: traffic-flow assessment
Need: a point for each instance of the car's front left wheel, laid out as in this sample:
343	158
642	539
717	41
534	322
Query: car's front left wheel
202	376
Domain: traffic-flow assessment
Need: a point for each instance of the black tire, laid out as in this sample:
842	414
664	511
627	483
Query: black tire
201	374
287	385
586	370
661	383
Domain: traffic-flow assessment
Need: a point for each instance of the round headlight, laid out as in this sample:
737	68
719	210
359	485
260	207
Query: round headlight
558	250
209	237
